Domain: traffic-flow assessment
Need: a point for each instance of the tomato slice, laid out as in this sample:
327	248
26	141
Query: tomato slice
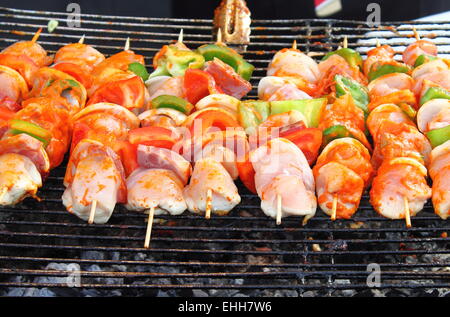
198	84
129	93
76	71
128	155
247	173
152	136
213	118
308	140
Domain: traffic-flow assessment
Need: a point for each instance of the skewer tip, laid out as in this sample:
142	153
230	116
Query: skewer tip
219	37
148	233
278	210
416	34
81	41
180	37
208	204
92	213
127	44
36	35
294	45
407	213
378	43
345	42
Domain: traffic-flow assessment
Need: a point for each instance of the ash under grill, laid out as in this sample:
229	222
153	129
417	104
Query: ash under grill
44	251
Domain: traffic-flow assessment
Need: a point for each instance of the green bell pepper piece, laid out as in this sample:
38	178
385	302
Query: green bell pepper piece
335	132
352	57
172	102
311	109
434	93
422	59
139	70
261	108
387	69
175	61
439	136
228	56
408	109
252	113
19	126
345	85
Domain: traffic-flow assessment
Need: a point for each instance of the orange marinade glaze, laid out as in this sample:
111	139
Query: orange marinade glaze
50	114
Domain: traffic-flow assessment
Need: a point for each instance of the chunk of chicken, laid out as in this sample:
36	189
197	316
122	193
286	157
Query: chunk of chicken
440	173
93	174
396	180
281	170
151	157
19	178
275	88
414	50
336	181
211	175
292	62
342	172
390	83
158	188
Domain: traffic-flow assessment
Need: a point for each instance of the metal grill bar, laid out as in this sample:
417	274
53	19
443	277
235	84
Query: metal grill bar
243	252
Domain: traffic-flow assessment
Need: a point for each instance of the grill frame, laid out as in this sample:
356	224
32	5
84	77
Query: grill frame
244	252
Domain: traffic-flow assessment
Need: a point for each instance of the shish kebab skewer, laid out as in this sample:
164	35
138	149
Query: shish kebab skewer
400	149
265	86
98	129
39	132
210	110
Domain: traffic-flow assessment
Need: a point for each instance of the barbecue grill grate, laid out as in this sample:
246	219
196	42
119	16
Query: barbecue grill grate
244	253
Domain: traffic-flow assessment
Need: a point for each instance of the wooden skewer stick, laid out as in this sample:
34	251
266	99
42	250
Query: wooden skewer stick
148	234
81	41
294	45
278	210
208	204
312	54
36	35
334	209
127	44
345	42
306	219
407	213
180	37
378	43
219	37
92	213
416	35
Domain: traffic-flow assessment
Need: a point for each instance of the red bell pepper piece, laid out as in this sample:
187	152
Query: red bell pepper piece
129	93
198	84
152	136
308	140
247	173
80	132
213	118
79	73
128	155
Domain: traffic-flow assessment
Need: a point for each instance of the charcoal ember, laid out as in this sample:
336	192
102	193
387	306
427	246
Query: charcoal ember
337	245
199	293
93	255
